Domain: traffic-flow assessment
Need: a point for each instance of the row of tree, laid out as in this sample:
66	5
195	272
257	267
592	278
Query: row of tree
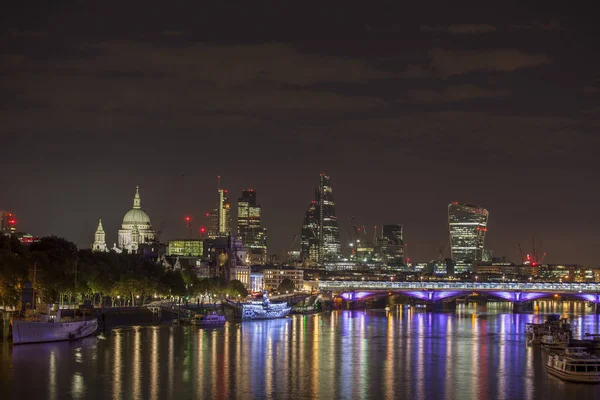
60	273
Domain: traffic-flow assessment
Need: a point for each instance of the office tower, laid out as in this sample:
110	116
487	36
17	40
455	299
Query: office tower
320	226
224	210
250	231
213	224
467	226
309	241
392	245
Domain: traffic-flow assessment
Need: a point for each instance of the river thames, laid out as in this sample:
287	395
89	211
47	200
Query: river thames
476	353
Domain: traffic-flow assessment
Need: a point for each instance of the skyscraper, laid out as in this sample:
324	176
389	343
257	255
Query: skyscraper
224	210
320	228
309	240
467	225
250	231
392	245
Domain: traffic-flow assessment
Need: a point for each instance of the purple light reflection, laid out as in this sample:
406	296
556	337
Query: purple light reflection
594	298
428	295
355	295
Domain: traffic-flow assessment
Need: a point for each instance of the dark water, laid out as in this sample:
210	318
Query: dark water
477	353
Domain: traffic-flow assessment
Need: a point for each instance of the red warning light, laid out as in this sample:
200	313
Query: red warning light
202	230
208	214
188	219
12	221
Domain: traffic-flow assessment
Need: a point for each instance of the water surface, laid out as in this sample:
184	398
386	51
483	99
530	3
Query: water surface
473	353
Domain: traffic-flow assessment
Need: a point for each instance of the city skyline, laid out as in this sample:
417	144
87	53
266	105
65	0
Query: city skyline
405	108
202	220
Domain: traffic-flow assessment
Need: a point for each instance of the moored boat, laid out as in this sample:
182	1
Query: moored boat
575	365
52	328
211	320
264	309
555	341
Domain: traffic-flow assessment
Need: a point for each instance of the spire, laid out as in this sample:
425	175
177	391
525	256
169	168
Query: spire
137	202
100	229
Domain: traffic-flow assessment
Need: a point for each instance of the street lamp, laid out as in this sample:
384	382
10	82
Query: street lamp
530	278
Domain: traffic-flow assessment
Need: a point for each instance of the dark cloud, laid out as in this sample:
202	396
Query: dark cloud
404	119
456	93
461	29
457	62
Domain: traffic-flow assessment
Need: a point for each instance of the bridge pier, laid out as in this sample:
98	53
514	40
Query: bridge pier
440	306
522	306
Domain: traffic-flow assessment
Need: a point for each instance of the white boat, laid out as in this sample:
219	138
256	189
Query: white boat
51	328
575	365
555	341
264	309
211	320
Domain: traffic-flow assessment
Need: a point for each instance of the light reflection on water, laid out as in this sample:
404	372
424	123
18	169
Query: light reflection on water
477	352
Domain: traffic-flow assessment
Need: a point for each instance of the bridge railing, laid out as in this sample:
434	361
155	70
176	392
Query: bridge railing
381	285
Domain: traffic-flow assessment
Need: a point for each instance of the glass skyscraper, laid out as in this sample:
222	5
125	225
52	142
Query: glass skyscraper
392	245
320	233
309	241
468	226
253	235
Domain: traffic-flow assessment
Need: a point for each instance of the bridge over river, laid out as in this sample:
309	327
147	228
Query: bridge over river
435	293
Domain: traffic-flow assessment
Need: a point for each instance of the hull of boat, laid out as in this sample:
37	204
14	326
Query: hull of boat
41	332
583	378
554	346
211	324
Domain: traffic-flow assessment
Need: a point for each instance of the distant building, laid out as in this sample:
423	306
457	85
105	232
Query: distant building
242	274
185	248
309	252
392	245
136	228
224	210
257	283
213	224
250	230
99	238
320	228
467	226
8	222
274	277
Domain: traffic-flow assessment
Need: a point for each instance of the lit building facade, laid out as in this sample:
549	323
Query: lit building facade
136	228
274	277
320	227
242	274
392	245
250	230
467	226
186	248
99	238
257	283
224	211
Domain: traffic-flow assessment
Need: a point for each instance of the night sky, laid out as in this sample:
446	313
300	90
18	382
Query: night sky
407	108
